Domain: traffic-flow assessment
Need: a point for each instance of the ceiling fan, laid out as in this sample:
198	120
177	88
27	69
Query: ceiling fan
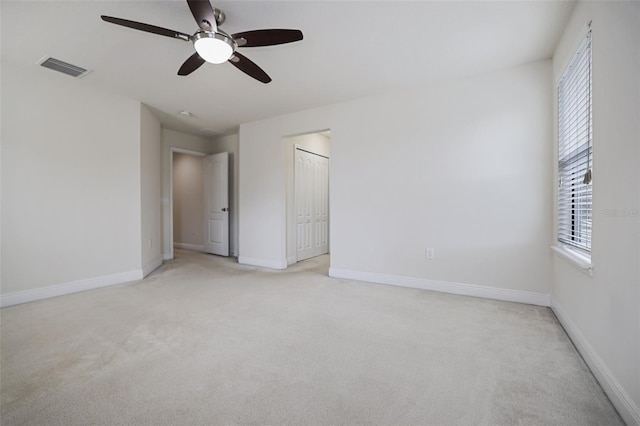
214	45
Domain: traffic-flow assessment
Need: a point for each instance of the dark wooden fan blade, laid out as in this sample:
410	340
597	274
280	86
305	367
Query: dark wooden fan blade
146	27
190	65
203	13
267	37
249	67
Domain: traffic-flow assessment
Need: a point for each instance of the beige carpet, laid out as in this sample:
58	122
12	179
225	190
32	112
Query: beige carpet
204	341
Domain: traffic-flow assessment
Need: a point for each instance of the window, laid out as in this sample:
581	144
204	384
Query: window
575	151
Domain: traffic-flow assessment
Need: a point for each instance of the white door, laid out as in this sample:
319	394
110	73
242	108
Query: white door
216	203
312	204
304	204
321	205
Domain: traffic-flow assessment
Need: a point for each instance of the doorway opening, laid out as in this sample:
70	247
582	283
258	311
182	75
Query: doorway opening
200	201
308	221
187	201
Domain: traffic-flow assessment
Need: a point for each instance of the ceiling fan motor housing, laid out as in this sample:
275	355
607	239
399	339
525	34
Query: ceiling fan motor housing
219	15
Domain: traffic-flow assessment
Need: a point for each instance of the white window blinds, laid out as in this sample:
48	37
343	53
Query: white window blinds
575	150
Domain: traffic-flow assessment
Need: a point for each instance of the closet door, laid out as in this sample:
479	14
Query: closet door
320	205
312	204
304	181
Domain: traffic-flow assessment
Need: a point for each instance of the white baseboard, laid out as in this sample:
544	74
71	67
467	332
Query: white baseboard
528	297
264	263
616	393
291	260
194	247
68	288
151	266
167	256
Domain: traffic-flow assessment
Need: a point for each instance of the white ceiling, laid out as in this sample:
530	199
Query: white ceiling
350	49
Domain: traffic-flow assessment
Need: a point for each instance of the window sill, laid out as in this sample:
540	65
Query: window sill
578	260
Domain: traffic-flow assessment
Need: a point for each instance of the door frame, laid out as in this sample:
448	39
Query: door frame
172	150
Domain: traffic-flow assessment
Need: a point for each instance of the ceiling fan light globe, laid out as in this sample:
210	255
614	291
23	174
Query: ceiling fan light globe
215	48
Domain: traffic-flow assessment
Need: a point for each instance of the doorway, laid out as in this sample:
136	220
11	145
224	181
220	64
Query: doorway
187	200
199	197
308	221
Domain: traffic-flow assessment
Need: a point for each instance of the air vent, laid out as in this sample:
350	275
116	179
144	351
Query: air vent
63	67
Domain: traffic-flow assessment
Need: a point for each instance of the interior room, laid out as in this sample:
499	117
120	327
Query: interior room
326	222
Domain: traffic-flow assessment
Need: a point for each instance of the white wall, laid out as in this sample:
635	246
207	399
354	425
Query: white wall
188	202
601	313
70	182
318	143
463	167
150	190
1	190
229	143
172	139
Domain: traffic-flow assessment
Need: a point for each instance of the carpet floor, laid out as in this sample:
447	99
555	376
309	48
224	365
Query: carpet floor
205	341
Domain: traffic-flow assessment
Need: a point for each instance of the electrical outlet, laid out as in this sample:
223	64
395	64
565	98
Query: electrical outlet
429	253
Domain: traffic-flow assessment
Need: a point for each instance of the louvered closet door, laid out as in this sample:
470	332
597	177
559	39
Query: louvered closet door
312	204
